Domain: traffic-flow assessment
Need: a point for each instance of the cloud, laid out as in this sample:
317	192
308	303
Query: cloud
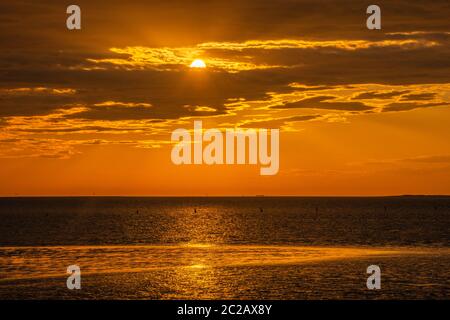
167	59
298	87
406	106
200	109
267	61
60	148
28	101
323	102
418	96
278	44
115	113
417	162
276	123
172	59
36	91
123	104
30	147
430	159
379	95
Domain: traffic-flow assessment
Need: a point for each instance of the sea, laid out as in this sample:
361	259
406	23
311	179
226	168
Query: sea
275	248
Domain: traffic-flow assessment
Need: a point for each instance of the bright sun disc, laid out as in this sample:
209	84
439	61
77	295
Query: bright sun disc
198	63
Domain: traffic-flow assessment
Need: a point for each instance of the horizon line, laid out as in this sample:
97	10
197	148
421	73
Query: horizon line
225	196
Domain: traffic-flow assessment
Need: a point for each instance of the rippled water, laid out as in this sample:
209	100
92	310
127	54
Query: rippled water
244	248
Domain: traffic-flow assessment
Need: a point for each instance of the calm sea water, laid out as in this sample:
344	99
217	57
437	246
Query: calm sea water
223	248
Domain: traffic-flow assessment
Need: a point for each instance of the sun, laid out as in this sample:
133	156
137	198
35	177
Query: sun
198	63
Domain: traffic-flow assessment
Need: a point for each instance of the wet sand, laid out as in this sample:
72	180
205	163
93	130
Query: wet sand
220	272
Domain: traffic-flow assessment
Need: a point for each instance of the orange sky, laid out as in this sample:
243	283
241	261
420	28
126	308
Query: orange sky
360	112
